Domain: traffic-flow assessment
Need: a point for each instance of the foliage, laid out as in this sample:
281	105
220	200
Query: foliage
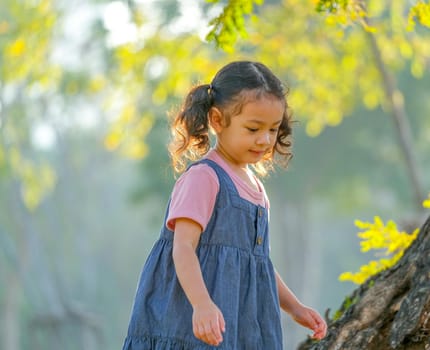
332	68
349	11
26	34
331	5
378	236
421	12
37	179
231	22
149	76
344	12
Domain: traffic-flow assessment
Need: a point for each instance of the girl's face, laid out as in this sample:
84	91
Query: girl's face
251	133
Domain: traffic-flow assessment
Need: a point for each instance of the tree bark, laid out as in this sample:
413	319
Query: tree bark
389	311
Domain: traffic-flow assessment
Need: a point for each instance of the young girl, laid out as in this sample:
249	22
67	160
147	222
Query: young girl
208	281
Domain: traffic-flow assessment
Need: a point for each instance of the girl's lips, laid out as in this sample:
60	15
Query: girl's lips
258	153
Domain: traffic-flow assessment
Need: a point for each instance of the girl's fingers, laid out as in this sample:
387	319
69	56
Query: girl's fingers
210	334
209	327
320	326
221	323
201	332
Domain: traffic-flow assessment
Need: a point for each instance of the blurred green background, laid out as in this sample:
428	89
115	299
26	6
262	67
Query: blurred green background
86	88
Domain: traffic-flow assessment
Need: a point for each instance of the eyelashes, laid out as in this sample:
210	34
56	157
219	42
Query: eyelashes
253	130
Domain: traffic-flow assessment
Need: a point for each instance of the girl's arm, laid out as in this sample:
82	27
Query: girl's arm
208	321
302	314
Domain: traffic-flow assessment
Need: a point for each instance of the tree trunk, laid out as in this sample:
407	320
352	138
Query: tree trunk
390	311
394	100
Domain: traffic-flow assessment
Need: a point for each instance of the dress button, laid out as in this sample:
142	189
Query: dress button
259	240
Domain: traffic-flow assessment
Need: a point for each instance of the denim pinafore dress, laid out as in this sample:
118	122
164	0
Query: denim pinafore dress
234	256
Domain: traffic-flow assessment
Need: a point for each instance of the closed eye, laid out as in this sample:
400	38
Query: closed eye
274	130
252	129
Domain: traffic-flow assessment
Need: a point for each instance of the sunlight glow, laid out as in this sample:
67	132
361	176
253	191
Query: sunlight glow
43	136
117	20
191	18
157	66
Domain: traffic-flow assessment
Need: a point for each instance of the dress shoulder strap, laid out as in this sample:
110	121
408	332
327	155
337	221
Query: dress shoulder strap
223	178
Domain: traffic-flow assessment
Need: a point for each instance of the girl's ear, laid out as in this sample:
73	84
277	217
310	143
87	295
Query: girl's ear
216	119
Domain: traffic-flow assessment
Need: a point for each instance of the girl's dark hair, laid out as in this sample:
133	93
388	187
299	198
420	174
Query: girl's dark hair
234	85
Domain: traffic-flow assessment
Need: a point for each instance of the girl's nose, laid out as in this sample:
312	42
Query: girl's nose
264	139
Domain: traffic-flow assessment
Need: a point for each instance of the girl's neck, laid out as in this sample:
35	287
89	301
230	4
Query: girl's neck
243	172
230	161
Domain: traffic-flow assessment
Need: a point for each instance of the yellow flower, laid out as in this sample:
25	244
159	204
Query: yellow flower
378	236
426	203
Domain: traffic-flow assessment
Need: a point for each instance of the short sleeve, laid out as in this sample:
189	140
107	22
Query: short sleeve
193	196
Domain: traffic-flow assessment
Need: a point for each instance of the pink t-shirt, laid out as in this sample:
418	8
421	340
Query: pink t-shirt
195	192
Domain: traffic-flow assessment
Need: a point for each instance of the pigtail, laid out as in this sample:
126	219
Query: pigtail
190	128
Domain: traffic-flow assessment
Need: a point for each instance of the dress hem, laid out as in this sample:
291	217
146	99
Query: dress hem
150	342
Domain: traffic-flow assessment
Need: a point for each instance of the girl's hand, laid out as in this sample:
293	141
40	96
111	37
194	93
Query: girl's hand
208	323
311	319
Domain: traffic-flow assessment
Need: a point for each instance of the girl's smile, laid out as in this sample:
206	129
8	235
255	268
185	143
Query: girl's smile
258	154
